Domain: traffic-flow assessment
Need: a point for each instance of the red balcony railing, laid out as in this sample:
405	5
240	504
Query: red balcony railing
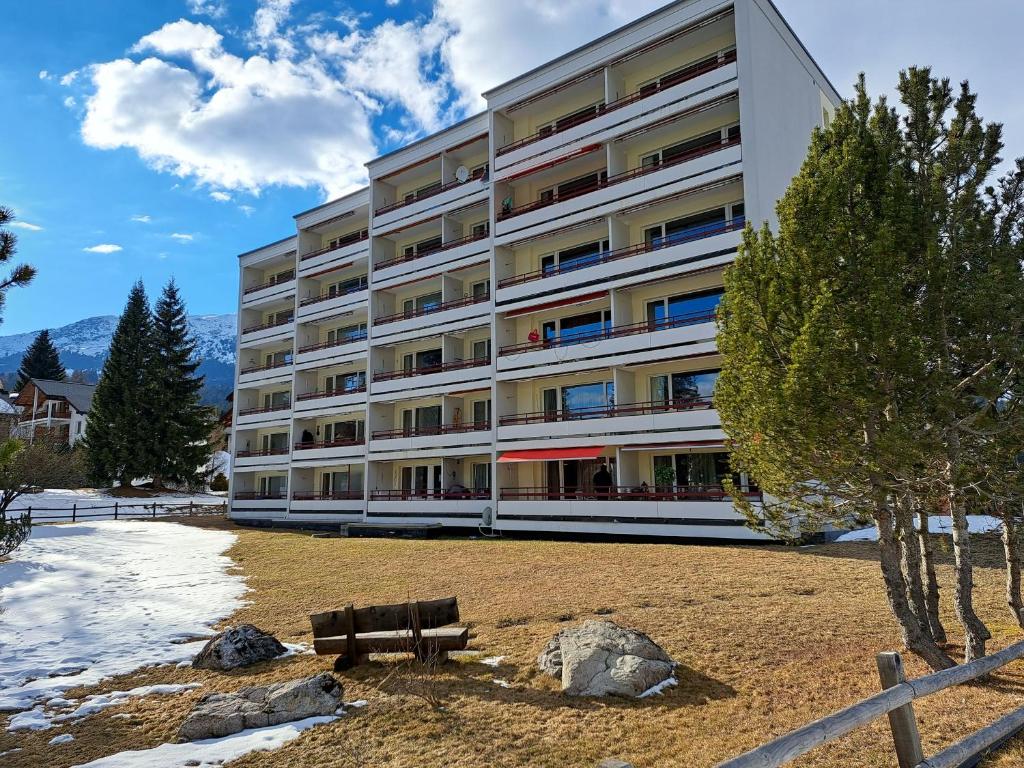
344	443
431	192
465	301
437	249
618	178
696	69
332	496
430	495
334	295
258	496
270	367
319	394
686	236
608	412
284	277
455	365
614	332
625	493
439	429
267	326
335	247
351	338
261	452
266	409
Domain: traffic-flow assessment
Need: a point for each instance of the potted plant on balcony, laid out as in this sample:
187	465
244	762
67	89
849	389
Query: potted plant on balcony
664	479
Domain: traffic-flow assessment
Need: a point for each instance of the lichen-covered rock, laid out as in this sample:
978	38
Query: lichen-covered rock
236	647
600	658
221	714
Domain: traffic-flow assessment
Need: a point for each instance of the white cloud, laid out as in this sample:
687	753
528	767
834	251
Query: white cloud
266	31
103	248
248	210
142	218
215	9
220	197
26	226
69	102
69	78
181	237
44	75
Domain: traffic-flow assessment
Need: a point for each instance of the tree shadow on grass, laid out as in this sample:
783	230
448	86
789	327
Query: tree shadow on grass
986	550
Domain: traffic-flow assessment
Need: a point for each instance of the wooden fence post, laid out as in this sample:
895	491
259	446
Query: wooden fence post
74	511
154	510
902	720
115	510
190	504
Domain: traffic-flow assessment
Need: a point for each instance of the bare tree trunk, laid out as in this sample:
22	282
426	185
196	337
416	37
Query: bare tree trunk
938	632
975	631
914	639
1011	548
911	562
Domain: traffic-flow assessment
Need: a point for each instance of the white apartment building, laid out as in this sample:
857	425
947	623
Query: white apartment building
514	324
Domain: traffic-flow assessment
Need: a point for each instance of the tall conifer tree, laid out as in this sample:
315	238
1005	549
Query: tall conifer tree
41	361
181	425
121	418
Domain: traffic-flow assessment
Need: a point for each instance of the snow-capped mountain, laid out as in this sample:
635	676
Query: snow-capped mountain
83	347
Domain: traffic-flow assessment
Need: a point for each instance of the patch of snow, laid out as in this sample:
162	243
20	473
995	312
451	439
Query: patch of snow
502	683
100	701
936	524
295	649
30	720
210	752
358	704
492	661
87	601
55	505
656	690
64	738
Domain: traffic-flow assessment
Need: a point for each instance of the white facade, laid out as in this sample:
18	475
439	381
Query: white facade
529	295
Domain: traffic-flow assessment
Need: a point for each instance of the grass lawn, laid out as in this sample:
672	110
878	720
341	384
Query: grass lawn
768	638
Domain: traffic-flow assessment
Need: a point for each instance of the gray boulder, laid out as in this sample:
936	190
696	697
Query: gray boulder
221	714
238	647
600	658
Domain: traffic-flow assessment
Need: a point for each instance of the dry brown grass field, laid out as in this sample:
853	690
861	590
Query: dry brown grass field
768	638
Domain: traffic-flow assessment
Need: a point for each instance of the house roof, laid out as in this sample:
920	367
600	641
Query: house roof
79	395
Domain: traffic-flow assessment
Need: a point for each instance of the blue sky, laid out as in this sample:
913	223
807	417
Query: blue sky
151	139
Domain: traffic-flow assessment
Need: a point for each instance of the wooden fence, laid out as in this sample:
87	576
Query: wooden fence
75	512
896	700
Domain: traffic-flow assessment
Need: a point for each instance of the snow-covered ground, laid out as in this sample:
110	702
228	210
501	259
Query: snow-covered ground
56	504
937	524
86	601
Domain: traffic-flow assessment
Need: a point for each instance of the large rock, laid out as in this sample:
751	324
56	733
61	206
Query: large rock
221	714
600	658
238	647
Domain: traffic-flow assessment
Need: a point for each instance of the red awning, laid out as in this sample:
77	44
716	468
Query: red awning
552	454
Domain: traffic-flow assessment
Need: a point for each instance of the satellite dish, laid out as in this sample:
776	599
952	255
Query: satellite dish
462	174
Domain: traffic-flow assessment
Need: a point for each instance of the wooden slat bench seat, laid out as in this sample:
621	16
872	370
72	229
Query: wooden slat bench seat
419	627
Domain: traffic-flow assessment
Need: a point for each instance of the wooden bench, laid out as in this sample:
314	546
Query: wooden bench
421	628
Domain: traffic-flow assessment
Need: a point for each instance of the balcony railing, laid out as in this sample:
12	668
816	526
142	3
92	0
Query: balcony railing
267	326
265	409
430	495
438	429
696	69
455	365
335	247
685	236
437	249
465	301
261	452
618	178
608	412
258	496
347	339
614	332
428	193
320	394
625	493
332	496
344	443
284	277
269	367
62	412
334	294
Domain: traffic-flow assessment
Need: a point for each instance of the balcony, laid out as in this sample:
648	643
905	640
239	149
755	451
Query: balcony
359	237
691	235
258	496
264	410
324	394
626	493
607	412
440	439
431	495
335	496
263	452
284	277
619	178
263	368
439	429
465	301
359	288
432	191
350	338
455	365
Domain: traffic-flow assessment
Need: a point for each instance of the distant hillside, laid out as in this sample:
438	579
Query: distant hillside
83	347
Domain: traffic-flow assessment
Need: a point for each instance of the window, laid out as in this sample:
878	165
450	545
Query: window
677	311
683	387
348	382
576	257
482	350
422	304
343	287
423	420
573	118
481	230
274	486
481	290
346	480
428	358
277	399
696	471
280	318
482	412
275	359
423	247
588	400
352	237
420	480
275	442
344	431
578	328
481	476
573	187
347	334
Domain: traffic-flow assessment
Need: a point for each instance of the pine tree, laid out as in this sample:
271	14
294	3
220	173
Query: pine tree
181	425
22	274
117	438
41	361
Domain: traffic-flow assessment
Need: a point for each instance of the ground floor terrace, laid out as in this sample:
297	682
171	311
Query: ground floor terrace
768	638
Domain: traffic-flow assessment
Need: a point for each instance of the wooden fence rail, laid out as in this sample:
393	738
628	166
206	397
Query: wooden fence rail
74	513
896	701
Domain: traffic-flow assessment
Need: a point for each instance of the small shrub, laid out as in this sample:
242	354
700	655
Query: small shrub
13	533
219	482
